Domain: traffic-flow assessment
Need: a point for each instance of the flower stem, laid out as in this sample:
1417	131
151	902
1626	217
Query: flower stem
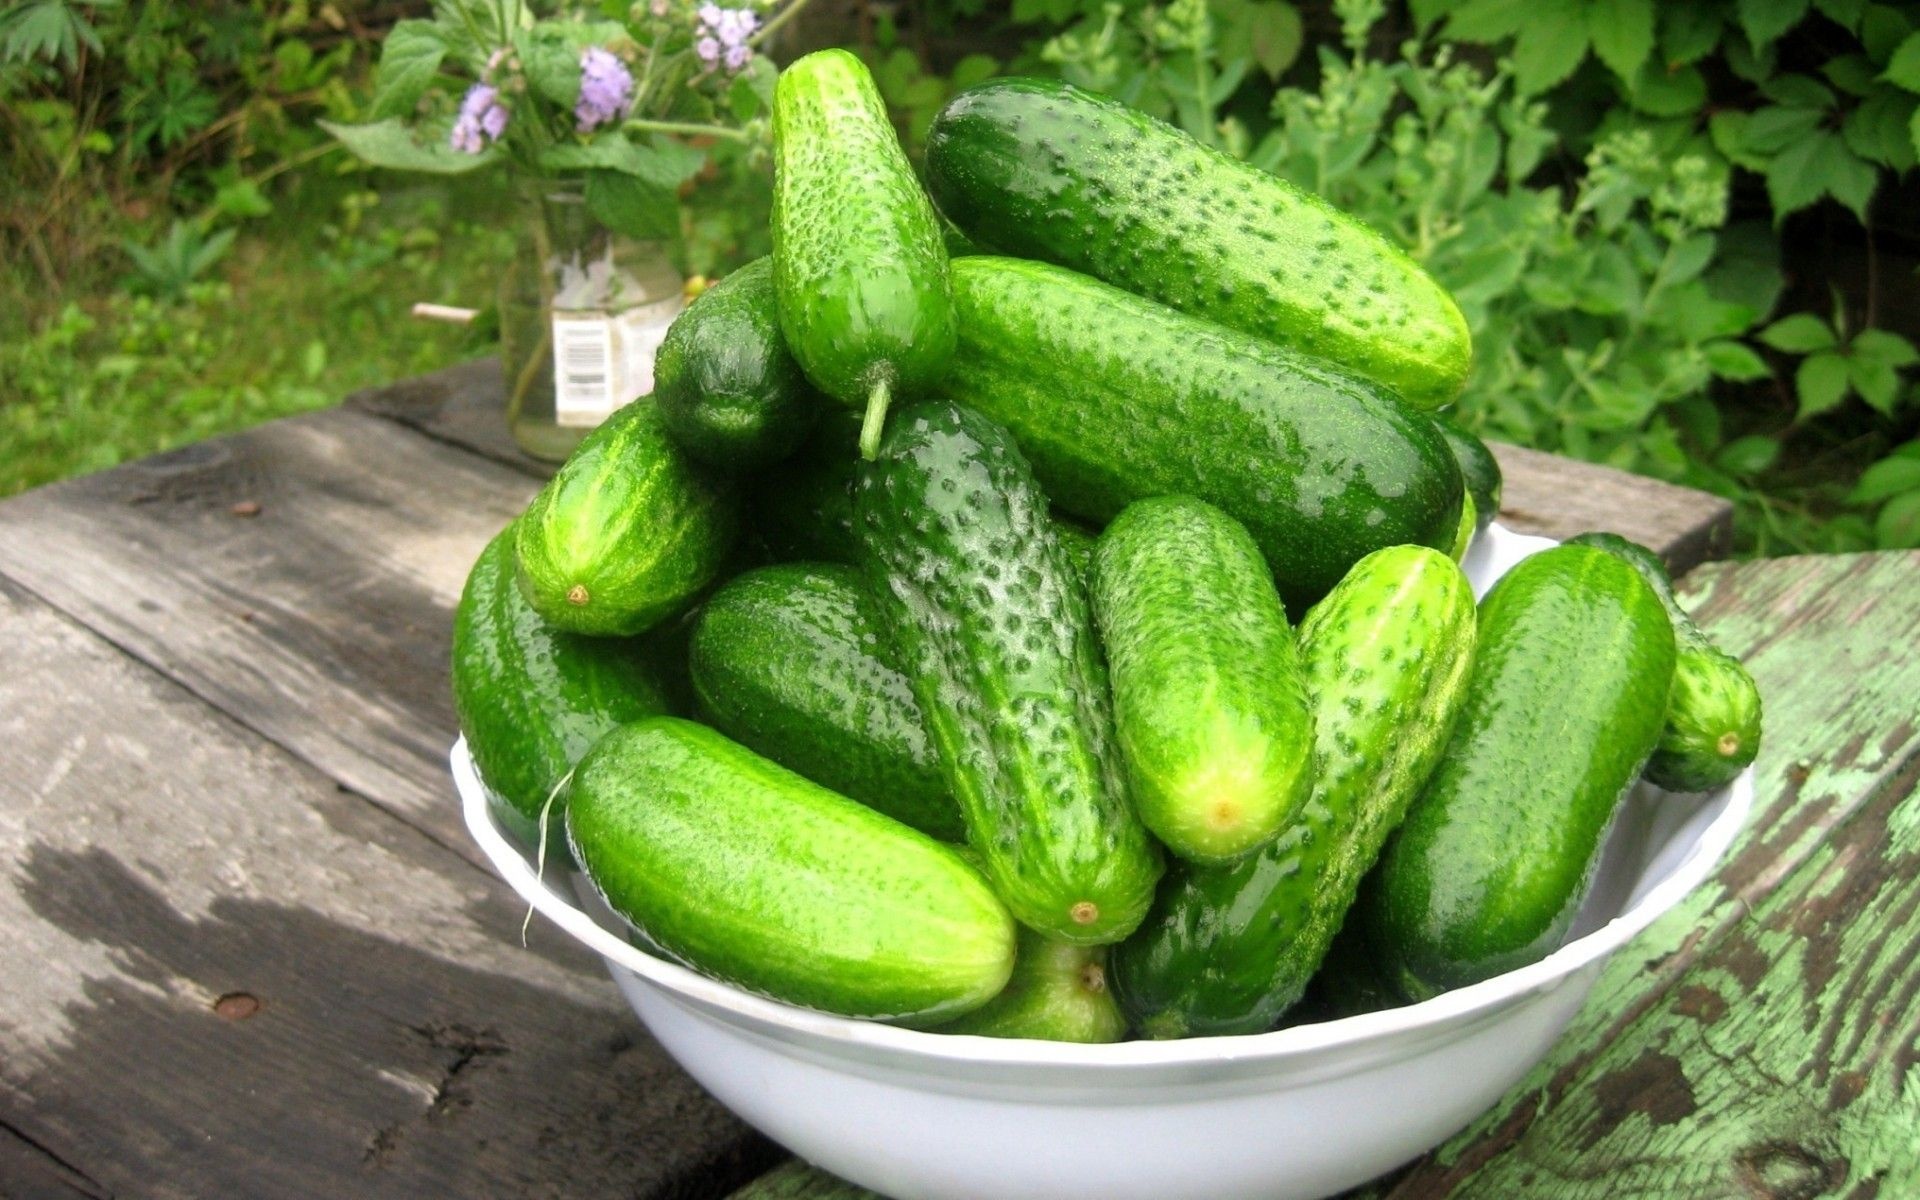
786	14
686	129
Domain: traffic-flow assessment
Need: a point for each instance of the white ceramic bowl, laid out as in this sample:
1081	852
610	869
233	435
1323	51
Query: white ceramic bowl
1300	1113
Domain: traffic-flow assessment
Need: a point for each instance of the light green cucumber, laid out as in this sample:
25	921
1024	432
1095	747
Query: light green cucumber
1058	993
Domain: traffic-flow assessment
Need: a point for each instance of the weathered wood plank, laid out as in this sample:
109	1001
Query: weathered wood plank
1763	1040
229	977
1544	493
300	576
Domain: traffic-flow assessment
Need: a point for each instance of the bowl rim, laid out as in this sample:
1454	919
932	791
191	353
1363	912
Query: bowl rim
1458	1004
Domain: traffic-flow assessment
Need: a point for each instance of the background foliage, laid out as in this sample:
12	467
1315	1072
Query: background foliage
1682	233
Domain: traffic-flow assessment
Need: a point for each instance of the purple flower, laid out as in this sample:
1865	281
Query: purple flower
724	35
709	15
482	119
708	50
738	57
606	89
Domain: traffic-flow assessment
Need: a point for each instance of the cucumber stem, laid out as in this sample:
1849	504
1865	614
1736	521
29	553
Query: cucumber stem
875	422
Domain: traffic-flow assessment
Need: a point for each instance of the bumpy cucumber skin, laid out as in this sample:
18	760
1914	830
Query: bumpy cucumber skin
1478	467
766	880
1114	398
988	620
1209	700
530	699
787	660
1040	169
730	393
626	532
1058	993
1469	525
1712	731
1569	684
859	263
1387	655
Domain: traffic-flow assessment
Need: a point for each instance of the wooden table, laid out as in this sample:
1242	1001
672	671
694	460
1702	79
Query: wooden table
249	950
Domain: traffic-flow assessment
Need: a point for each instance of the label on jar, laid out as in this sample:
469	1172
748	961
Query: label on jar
602	361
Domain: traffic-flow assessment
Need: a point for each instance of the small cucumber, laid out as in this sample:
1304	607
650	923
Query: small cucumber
530	699
1039	169
859	263
1478	466
787	660
1564	706
730	393
758	877
1229	949
1114	398
1208	697
1058	993
626	532
992	627
1712	731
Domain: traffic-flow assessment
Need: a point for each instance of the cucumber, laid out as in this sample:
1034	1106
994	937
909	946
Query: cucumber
530	699
1208	696
859	263
992	627
626	532
1114	398
1058	993
1387	656
730	393
1039	169
1490	867
786	659
1712	730
758	877
1478	466
1463	535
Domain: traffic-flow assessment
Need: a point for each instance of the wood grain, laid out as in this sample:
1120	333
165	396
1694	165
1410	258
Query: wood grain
226	976
301	577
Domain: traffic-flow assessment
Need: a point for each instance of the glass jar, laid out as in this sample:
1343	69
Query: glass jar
582	311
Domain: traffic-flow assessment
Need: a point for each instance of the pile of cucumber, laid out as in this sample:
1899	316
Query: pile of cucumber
1067	641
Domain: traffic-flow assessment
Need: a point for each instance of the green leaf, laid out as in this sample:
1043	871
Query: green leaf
752	89
1904	67
242	198
49	29
1851	73
1547	49
631	205
1732	360
1688	32
409	60
1776	127
1882	28
1622	33
661	162
1491	20
1898	526
1690	257
550	55
1896	473
392	145
1803	91
1877	382
1821	383
1270	30
1801	333
1749	455
1879	345
1661	92
1878	129
1819	165
1766	20
1845	13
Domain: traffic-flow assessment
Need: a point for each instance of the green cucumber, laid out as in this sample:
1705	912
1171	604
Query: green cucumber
1478	466
730	393
1208	697
1229	949
859	263
626	533
758	877
530	699
1040	169
1114	398
1712	731
992	627
1058	993
787	660
1569	686
1463	536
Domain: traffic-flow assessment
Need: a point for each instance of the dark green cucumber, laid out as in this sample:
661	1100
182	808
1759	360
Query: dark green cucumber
530	699
1058	993
1209	701
1114	398
1229	949
787	659
766	880
1463	534
626	532
1490	867
992	627
1040	169
1712	731
730	393
1478	466
858	259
